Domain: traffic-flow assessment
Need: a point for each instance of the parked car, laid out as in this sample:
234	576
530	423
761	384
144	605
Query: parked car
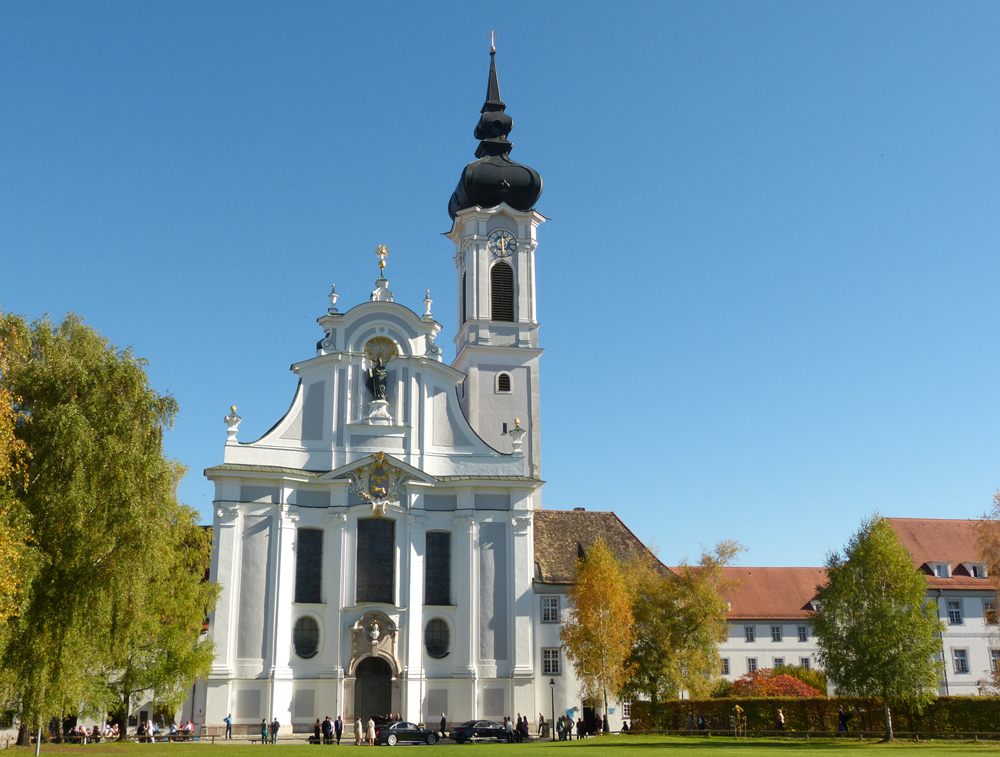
478	729
400	731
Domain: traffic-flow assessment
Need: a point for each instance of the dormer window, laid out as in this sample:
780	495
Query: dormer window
940	569
976	569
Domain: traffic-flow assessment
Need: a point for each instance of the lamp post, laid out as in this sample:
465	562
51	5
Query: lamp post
552	725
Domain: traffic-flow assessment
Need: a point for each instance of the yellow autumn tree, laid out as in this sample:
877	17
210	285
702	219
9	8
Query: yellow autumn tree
988	536
600	630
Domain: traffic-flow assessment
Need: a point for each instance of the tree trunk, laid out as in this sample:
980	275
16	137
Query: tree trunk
23	736
123	718
888	719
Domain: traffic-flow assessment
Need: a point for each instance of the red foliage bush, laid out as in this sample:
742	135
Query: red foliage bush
763	683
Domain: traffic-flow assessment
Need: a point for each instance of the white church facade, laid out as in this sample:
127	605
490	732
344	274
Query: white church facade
376	548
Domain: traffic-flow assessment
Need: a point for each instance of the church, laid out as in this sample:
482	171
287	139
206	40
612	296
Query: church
383	548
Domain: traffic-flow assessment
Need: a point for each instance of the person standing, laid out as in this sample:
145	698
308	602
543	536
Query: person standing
781	720
357	732
444	726
263	731
228	720
371	731
327	729
275	725
338	729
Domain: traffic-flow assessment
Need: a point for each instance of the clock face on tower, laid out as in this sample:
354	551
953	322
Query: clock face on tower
502	243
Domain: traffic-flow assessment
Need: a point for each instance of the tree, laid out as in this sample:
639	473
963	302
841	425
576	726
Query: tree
988	537
680	619
876	633
766	683
99	500
599	631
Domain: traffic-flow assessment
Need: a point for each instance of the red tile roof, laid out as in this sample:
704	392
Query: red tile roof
772	593
940	540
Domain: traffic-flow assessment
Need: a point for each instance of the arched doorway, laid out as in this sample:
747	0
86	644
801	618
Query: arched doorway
372	688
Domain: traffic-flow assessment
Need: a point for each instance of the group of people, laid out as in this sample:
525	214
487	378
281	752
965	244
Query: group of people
82	735
268	731
325	731
517	732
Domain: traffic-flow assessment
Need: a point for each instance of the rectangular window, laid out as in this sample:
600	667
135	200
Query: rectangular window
748	633
990	613
437	582
803	633
777	662
954	613
775	633
961	657
376	560
725	666
550	609
751	664
627	708
309	565
978	571
804	663
550	662
994	660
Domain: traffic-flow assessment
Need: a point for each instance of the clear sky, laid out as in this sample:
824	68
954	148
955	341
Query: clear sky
767	291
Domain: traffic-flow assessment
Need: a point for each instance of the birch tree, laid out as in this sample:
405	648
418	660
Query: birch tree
877	634
599	631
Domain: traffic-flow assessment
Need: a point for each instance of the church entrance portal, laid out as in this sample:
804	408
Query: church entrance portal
372	688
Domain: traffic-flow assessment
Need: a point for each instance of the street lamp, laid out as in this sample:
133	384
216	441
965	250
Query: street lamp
552	725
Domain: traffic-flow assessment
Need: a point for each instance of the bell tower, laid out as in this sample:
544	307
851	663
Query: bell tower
494	231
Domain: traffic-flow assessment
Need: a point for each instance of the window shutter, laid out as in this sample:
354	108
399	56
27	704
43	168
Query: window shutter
502	292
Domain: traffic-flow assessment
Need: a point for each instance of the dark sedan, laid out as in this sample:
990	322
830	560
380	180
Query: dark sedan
478	729
400	732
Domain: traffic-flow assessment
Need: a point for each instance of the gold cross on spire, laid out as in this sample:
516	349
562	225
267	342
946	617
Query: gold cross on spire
382	252
493	41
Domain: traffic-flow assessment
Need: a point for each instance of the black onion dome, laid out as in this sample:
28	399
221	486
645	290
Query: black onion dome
495	178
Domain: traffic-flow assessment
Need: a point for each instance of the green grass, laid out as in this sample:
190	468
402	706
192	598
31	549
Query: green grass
637	746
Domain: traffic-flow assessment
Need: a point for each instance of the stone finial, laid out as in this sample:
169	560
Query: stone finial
233	423
333	299
427	307
516	435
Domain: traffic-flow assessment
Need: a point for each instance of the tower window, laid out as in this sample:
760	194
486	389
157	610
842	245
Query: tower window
464	278
503	382
502	292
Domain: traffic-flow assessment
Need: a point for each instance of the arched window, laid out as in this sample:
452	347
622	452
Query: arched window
309	566
437	638
305	637
502	292
503	382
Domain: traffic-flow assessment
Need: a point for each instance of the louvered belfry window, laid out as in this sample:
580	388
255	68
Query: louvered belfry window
464	279
502	292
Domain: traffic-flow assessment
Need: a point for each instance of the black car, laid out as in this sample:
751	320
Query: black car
400	731
478	729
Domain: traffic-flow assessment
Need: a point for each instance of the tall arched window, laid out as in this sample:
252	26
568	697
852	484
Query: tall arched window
502	292
376	569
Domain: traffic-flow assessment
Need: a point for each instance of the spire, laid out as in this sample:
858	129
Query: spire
494	177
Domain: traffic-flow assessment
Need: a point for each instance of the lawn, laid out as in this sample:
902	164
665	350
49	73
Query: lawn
638	746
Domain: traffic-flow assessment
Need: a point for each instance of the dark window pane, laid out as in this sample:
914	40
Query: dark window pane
376	559
305	637
437	583
309	565
503	382
437	638
502	292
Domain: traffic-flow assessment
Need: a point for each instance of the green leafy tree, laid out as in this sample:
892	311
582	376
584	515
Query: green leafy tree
680	621
99	500
876	633
599	631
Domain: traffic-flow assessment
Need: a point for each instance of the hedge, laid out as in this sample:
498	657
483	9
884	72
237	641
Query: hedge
941	715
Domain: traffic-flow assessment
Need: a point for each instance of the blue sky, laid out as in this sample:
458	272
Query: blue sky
767	289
